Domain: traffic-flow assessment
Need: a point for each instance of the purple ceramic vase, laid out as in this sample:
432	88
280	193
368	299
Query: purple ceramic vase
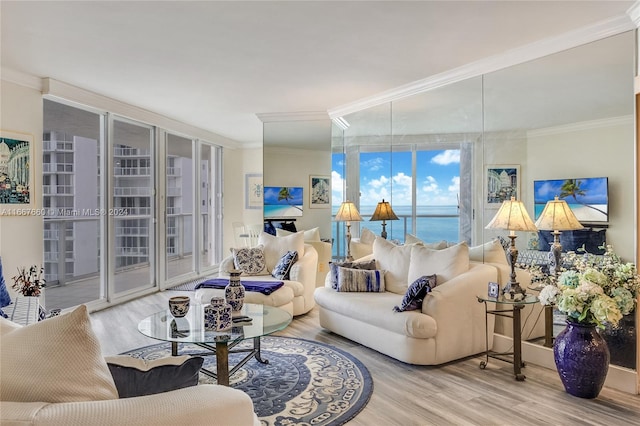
582	359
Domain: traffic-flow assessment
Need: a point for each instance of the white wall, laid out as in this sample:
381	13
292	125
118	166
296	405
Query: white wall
21	236
292	167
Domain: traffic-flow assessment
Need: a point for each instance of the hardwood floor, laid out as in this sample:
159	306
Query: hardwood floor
458	393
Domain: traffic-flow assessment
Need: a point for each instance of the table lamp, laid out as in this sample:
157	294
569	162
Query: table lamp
512	216
383	212
557	216
348	213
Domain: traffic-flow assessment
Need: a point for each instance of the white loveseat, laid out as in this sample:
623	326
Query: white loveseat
296	295
53	373
451	322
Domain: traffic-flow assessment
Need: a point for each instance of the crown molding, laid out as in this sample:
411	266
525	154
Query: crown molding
634	13
539	49
21	78
269	117
583	125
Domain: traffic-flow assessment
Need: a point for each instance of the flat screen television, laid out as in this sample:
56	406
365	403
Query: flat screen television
282	201
588	198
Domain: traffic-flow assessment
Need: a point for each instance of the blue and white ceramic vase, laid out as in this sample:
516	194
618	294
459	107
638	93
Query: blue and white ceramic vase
217	315
582	359
234	291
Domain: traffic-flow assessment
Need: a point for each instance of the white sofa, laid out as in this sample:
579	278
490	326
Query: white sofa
53	373
296	295
451	323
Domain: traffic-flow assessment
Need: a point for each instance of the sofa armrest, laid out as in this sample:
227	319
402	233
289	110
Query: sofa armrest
304	271
455	308
203	404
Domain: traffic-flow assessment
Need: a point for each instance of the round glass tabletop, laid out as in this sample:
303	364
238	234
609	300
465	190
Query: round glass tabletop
190	329
505	299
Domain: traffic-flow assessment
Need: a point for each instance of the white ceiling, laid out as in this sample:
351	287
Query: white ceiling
216	64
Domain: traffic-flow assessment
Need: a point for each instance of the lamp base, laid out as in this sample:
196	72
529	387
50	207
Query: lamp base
513	291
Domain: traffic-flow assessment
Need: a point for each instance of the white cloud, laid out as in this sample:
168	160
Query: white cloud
372	165
337	188
430	185
447	157
379	183
455	185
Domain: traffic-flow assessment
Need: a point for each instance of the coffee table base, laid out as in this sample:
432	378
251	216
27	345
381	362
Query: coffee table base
222	350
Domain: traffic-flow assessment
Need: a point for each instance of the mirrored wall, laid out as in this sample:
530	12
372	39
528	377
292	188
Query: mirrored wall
447	158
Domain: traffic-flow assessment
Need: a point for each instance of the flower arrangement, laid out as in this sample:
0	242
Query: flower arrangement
29	282
592	289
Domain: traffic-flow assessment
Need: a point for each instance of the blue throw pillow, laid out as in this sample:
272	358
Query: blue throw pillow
333	267
416	293
5	298
282	269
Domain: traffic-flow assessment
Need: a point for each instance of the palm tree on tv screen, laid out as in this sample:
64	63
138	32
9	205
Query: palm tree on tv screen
571	188
285	194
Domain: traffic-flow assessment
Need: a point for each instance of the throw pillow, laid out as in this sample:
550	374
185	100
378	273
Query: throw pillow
366	236
282	269
416	293
395	261
276	247
309	235
56	360
333	267
491	252
5	297
446	264
412	239
360	280
250	261
138	377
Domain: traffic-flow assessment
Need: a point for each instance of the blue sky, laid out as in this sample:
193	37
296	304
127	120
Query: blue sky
437	180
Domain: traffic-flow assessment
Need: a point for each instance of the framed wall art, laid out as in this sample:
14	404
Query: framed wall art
17	174
253	191
502	183
319	192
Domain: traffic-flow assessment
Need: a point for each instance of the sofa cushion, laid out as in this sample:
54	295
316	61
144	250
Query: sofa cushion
416	293
334	266
491	252
137	377
350	279
376	309
412	239
446	264
281	270
367	236
312	234
276	247
395	261
250	261
55	360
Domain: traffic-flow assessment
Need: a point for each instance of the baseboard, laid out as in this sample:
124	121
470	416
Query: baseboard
619	378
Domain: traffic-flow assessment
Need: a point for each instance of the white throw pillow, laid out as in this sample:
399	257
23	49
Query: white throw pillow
55	360
366	236
395	261
491	252
309	235
412	239
276	247
446	264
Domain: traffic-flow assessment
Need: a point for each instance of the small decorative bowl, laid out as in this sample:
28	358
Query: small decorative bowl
179	306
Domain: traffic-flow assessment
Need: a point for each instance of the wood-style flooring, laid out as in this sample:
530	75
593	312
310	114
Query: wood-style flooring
458	393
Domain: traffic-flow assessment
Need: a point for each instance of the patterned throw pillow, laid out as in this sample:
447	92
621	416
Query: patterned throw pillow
416	293
360	280
283	267
250	261
370	265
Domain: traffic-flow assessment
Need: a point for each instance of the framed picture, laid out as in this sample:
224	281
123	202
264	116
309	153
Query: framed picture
502	183
494	289
17	174
319	192
253	191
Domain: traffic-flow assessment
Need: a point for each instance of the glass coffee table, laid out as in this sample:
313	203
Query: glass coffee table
190	329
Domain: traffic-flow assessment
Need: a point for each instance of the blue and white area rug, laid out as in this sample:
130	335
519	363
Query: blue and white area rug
305	382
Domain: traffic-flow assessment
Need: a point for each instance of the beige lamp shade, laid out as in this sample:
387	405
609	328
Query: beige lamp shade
348	213
557	216
513	216
383	212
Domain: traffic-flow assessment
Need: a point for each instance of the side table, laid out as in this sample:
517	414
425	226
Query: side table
511	309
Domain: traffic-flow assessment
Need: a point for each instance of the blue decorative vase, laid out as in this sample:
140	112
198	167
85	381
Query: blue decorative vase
234	291
582	359
217	315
